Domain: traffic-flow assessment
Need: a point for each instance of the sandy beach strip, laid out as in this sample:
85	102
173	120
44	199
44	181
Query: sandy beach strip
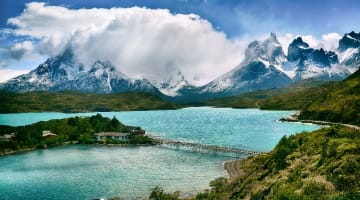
233	168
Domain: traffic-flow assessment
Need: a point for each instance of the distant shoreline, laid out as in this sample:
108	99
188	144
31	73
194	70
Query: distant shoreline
294	118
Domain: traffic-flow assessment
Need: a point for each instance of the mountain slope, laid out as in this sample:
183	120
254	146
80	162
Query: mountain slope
267	99
261	69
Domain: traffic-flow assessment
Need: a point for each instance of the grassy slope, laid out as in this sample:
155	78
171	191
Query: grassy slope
323	164
257	98
341	103
78	102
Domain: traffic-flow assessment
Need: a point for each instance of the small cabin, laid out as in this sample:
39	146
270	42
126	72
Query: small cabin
112	135
7	137
48	134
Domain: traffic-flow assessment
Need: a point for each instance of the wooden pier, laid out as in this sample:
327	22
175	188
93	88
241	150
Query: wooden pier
238	152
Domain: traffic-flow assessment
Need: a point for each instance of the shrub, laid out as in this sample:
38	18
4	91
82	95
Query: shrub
157	193
315	190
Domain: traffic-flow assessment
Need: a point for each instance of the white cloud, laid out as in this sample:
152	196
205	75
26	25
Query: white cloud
329	42
139	41
7	74
285	40
21	55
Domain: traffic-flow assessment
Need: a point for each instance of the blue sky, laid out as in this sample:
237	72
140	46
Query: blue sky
24	43
301	16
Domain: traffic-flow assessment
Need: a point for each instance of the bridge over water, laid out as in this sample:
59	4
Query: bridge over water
237	152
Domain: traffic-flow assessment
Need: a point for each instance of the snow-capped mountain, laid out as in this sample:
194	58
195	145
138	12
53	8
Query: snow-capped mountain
63	73
261	69
308	63
265	66
173	84
349	51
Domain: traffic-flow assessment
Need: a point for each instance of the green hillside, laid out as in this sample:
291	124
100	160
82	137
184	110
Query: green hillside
340	102
79	102
323	164
332	101
276	99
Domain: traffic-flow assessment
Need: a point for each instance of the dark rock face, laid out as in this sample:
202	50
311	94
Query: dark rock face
349	40
300	51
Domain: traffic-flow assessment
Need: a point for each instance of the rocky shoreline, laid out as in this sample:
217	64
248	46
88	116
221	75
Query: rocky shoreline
10	152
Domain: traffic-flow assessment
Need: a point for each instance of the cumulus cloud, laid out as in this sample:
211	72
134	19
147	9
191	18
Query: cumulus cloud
331	41
139	41
19	50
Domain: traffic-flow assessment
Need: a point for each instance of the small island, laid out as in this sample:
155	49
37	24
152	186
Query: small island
84	130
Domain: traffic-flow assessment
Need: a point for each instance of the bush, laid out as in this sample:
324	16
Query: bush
315	190
86	139
282	150
286	194
157	193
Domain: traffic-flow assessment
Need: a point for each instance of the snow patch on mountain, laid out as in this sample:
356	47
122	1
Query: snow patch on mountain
172	84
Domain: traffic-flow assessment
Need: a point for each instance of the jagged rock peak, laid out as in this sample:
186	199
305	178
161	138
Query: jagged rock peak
349	40
269	50
274	38
299	42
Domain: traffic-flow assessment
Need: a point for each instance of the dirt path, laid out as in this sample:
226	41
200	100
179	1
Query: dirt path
234	169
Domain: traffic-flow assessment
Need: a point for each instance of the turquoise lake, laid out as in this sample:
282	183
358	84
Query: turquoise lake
94	171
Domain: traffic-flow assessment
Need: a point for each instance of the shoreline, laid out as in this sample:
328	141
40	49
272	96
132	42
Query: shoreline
294	118
233	169
13	152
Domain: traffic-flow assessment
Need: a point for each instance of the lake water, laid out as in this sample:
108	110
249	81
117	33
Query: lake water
93	171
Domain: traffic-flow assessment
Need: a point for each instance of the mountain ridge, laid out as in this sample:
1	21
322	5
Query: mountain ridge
265	66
